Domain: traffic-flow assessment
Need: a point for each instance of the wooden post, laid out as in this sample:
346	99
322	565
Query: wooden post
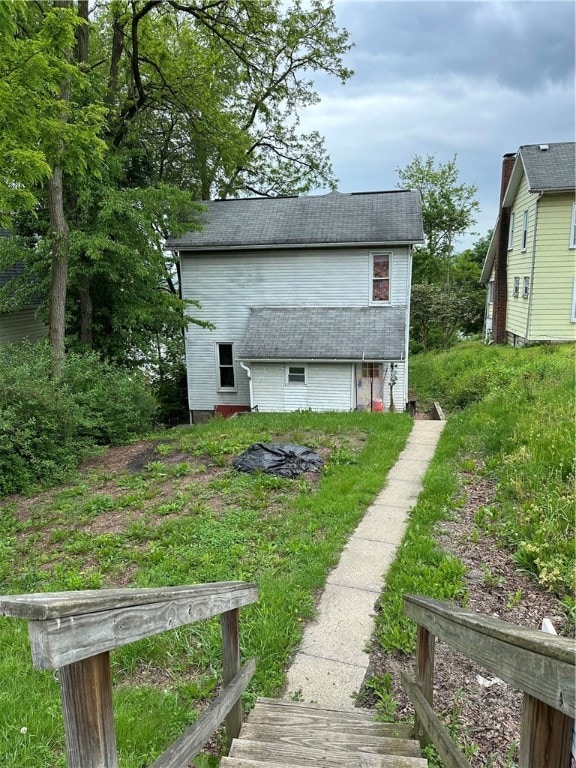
545	735
231	664
425	646
86	690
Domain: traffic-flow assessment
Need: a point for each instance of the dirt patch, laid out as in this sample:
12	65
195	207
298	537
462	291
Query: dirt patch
483	713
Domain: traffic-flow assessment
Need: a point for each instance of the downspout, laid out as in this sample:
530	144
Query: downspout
250	387
407	342
531	286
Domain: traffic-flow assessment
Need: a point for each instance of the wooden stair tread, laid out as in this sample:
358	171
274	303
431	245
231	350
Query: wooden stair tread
306	718
360	761
326	755
248	754
365	714
318	737
289	734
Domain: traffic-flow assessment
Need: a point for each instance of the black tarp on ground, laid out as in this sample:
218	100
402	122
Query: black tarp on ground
281	459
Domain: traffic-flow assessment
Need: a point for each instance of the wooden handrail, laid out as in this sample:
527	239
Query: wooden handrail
75	631
540	665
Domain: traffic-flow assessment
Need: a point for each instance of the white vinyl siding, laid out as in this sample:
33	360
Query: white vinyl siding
328	388
226	286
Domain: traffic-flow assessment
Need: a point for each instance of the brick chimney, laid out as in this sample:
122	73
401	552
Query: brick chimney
500	261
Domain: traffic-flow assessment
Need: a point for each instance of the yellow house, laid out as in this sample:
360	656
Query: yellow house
530	267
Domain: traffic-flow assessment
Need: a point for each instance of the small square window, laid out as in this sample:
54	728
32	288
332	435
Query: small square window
296	374
516	290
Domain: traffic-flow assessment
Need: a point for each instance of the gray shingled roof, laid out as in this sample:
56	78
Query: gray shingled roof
324	333
547	170
335	218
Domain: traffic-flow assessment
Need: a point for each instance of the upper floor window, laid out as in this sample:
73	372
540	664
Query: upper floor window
511	233
225	360
524	230
573	227
516	289
381	268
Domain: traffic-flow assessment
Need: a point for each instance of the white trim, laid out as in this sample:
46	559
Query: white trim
573	318
511	232
525	287
220	388
304	383
371	301
516	288
573	227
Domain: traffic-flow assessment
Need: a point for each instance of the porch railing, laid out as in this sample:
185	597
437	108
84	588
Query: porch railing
74	632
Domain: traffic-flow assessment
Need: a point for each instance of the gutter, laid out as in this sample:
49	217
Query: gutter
224	248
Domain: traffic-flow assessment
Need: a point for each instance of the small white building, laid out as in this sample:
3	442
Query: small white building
309	299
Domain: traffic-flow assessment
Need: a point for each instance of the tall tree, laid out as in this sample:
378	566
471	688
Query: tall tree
448	211
201	99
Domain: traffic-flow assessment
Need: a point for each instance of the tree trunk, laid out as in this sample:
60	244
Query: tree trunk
59	278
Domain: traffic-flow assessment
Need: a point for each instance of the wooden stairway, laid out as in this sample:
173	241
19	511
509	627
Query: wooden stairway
281	733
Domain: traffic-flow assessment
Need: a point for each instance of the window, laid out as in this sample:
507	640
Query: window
573	227
516	291
573	318
226	378
525	287
511	233
524	230
370	370
296	374
380	277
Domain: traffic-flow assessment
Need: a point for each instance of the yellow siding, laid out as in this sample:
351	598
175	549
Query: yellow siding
520	260
554	271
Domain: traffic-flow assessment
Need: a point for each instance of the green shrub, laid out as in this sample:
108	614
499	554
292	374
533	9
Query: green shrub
517	410
48	425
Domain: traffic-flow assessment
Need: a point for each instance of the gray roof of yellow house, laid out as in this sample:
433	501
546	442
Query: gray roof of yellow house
335	219
548	168
324	333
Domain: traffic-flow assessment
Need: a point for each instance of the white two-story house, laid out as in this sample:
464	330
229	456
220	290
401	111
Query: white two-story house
309	299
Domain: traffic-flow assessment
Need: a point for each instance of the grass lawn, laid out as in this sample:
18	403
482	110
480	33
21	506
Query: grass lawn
173	511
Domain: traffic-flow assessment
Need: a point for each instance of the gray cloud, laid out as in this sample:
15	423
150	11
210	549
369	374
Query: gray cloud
471	79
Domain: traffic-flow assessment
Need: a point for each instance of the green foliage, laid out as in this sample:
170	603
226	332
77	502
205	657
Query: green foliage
517	418
169	103
207	524
448	210
47	426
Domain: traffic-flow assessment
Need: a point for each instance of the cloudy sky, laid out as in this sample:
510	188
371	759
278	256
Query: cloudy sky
472	79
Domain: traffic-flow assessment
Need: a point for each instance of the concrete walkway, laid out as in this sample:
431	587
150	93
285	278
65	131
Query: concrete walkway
332	661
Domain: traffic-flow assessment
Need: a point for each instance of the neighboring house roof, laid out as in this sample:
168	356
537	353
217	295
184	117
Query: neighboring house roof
548	168
324	333
374	218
